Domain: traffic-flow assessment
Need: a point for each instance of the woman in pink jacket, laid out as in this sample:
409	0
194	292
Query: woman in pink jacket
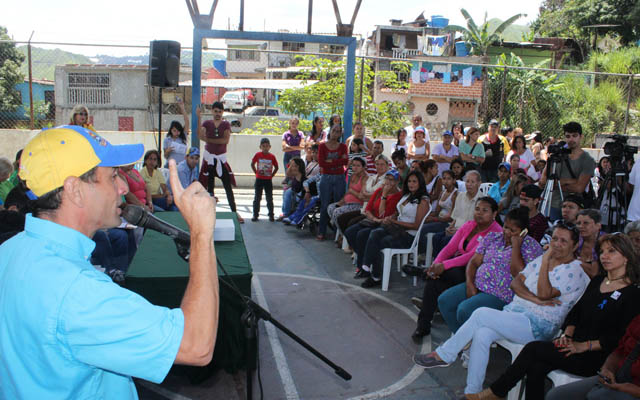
448	269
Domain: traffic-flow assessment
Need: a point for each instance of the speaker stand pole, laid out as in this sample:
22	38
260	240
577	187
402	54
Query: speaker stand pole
160	124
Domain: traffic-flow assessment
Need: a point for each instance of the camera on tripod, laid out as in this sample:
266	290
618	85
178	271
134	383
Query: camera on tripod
618	149
558	150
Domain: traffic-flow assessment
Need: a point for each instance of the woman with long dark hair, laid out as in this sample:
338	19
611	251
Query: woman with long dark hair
174	144
397	231
333	157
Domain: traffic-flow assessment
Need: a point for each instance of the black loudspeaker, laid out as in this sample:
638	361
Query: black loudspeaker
164	63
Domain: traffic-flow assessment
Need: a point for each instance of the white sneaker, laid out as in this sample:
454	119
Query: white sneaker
465	358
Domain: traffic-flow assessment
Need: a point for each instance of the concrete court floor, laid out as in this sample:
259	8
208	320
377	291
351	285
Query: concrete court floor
308	286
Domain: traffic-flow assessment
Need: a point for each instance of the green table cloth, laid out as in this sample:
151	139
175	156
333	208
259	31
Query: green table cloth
159	274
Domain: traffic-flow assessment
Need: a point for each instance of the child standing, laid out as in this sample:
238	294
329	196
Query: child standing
265	166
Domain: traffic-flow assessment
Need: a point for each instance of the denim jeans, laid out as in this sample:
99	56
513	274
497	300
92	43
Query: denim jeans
115	249
485	326
288	201
588	388
332	189
380	238
431	227
357	236
160	204
456	308
302	210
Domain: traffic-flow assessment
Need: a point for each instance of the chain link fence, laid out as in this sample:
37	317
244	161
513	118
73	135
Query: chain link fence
42	82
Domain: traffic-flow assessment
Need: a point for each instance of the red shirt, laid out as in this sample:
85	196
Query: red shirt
373	206
214	132
265	165
626	345
332	162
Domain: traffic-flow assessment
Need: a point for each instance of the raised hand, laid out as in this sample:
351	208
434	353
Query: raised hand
196	205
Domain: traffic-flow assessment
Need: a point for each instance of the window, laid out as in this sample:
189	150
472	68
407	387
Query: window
258	111
292	46
272	113
244	55
89	88
331	48
432	109
125	124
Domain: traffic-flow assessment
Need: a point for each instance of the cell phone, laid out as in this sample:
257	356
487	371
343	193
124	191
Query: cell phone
524	232
604	378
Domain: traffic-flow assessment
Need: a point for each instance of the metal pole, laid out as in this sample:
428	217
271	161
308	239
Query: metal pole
160	122
361	82
241	26
502	90
626	115
309	17
347	119
31	122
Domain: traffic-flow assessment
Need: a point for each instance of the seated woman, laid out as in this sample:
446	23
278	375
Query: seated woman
399	158
440	217
138	195
620	374
382	204
463	211
355	196
536	312
448	268
457	167
500	257
590	230
511	198
593	327
433	181
160	195
295	175
373	183
396	231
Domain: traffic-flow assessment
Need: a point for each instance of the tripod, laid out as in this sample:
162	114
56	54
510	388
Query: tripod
552	178
252	314
613	197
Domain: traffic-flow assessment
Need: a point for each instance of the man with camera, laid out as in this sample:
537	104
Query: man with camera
574	168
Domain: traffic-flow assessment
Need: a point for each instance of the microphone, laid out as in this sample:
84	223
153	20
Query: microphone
136	215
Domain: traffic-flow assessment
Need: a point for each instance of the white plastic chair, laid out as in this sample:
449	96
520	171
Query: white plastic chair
560	378
388	254
484	188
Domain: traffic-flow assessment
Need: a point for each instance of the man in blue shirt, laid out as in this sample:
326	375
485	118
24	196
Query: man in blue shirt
68	331
499	188
188	168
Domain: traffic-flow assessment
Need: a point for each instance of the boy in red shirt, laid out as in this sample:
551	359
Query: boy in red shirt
265	166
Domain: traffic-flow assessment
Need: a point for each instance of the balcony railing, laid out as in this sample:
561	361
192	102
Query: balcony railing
406	53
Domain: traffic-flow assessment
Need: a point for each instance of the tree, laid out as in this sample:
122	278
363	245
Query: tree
481	39
326	97
10	76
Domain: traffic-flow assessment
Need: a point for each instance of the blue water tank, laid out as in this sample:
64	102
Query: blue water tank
461	49
438	21
221	66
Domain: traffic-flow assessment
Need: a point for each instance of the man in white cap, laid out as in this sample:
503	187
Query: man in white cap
67	331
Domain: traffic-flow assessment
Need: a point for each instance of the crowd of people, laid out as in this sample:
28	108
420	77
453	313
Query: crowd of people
502	269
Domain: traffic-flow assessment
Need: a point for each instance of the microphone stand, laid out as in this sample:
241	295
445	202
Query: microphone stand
252	314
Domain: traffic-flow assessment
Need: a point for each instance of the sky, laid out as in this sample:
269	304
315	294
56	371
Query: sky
137	22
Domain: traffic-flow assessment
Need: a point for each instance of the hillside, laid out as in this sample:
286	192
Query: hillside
45	60
513	33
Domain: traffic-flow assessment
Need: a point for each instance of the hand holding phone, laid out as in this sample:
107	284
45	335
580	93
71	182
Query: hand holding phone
604	377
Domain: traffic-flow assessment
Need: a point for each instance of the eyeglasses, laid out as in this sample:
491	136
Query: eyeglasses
83	114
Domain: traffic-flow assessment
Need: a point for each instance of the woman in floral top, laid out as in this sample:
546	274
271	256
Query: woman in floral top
499	257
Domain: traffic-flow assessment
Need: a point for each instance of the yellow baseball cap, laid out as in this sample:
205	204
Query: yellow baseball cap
69	150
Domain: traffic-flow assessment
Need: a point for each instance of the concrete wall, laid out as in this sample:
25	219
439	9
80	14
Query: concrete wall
240	150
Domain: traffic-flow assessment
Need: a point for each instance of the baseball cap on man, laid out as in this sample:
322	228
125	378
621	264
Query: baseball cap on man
393	173
532	191
505	165
447	133
193	151
494	122
68	150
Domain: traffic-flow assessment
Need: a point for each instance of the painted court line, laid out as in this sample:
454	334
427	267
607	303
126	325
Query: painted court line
406	380
278	353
